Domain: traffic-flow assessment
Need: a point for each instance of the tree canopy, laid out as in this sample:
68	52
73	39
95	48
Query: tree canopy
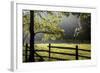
48	23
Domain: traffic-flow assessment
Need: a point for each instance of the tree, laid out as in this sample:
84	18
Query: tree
48	22
83	32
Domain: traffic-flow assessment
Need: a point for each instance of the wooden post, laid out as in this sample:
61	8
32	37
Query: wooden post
26	55
31	57
49	51
76	52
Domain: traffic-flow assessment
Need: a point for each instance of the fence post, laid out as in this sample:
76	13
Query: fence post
49	51
26	55
76	52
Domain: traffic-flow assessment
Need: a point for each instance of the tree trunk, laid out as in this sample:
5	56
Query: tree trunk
31	57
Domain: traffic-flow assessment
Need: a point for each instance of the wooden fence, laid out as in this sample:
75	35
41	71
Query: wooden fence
57	47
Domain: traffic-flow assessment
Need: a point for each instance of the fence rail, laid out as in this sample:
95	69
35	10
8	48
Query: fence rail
76	54
53	58
69	48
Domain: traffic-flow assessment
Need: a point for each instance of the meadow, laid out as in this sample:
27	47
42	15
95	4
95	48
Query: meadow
68	57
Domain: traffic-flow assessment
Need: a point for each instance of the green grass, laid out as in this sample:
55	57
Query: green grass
81	46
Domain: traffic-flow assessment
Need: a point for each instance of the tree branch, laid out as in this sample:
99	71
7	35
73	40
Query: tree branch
46	32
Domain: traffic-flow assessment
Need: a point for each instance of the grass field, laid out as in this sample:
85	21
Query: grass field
69	57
